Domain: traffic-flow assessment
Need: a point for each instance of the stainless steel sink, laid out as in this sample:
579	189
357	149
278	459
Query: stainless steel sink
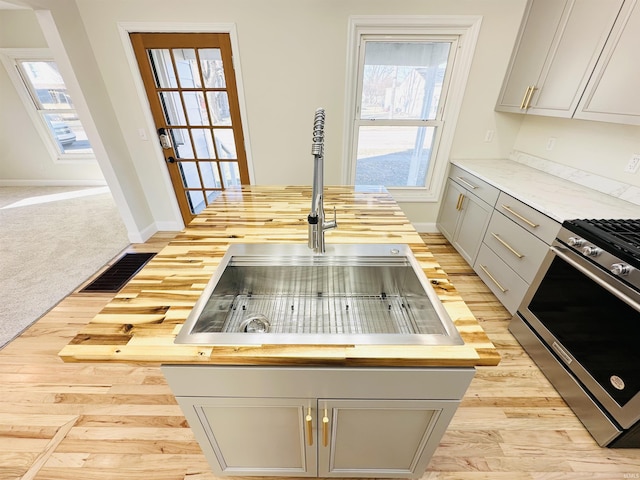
286	294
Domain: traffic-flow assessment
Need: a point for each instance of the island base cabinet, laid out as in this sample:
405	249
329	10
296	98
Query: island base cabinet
326	422
381	438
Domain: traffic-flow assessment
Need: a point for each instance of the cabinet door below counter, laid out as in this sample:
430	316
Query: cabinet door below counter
465	211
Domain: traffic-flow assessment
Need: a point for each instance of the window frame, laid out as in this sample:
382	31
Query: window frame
11	59
465	29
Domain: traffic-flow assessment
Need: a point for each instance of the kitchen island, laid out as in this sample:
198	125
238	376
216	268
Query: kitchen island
292	410
142	321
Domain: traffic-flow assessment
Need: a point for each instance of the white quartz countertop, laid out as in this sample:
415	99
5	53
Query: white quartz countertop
554	196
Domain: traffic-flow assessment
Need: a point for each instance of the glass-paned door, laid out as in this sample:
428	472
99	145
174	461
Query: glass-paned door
402	86
191	88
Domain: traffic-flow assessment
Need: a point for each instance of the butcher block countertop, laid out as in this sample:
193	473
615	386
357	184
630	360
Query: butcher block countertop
140	324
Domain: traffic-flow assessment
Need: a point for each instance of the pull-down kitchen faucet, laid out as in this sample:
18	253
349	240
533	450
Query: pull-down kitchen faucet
317	224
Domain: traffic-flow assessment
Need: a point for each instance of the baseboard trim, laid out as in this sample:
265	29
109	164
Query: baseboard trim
146	233
51	183
425	227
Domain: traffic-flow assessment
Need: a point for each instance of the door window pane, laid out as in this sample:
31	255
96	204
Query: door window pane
225	143
172	108
162	67
403	80
393	156
196	108
230	174
210	174
219	108
196	201
189	173
203	142
212	68
182	143
188	74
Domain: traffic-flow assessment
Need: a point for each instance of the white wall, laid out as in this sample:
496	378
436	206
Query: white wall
25	160
596	147
293	59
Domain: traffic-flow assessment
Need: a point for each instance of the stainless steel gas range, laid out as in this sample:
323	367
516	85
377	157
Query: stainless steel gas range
580	322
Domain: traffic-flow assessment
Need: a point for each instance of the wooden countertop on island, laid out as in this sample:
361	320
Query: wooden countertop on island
140	324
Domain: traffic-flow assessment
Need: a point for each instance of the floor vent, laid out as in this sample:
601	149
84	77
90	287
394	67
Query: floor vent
118	274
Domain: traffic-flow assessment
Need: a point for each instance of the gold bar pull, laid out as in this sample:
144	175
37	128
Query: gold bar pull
460	200
507	246
512	212
325	429
309	420
502	289
467	183
527	104
523	103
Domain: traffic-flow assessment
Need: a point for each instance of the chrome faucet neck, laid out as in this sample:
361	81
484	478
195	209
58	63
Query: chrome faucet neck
316	219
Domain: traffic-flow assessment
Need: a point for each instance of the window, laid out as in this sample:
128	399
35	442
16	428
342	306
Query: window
399	121
407	81
44	92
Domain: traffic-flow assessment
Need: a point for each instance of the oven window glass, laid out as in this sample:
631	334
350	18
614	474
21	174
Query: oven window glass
598	329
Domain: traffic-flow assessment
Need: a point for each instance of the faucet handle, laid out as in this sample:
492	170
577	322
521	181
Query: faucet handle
333	223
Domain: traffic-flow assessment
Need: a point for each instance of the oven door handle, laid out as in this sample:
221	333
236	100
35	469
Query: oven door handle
625	298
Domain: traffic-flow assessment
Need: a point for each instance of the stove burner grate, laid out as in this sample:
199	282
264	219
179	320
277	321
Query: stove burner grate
622	236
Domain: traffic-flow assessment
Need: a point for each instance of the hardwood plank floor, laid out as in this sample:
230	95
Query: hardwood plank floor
117	421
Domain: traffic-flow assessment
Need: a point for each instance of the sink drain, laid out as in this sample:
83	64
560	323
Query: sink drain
255	324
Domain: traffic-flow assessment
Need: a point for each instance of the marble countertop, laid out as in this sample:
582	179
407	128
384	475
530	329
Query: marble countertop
559	198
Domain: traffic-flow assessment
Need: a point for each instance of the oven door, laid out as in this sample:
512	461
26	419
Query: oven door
591	320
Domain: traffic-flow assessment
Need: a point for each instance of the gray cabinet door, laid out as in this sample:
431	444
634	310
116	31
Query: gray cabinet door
254	436
473	223
449	211
463	219
380	438
612	94
535	40
555	54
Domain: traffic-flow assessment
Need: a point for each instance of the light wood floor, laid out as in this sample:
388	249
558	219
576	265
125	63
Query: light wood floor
106	421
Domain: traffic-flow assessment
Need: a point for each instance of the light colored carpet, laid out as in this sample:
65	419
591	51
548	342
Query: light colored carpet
52	239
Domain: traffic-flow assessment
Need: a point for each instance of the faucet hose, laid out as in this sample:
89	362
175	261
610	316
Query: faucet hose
318	132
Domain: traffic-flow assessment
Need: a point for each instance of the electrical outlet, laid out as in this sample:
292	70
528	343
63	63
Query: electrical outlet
551	143
488	137
634	164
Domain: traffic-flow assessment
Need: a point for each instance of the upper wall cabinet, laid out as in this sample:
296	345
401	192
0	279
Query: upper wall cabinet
557	49
612	94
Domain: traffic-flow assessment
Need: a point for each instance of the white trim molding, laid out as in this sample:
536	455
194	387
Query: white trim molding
467	29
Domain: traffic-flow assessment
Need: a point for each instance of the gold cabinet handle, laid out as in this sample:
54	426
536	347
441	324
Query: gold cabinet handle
460	200
468	184
507	246
528	102
309	421
325	429
502	289
524	99
512	212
